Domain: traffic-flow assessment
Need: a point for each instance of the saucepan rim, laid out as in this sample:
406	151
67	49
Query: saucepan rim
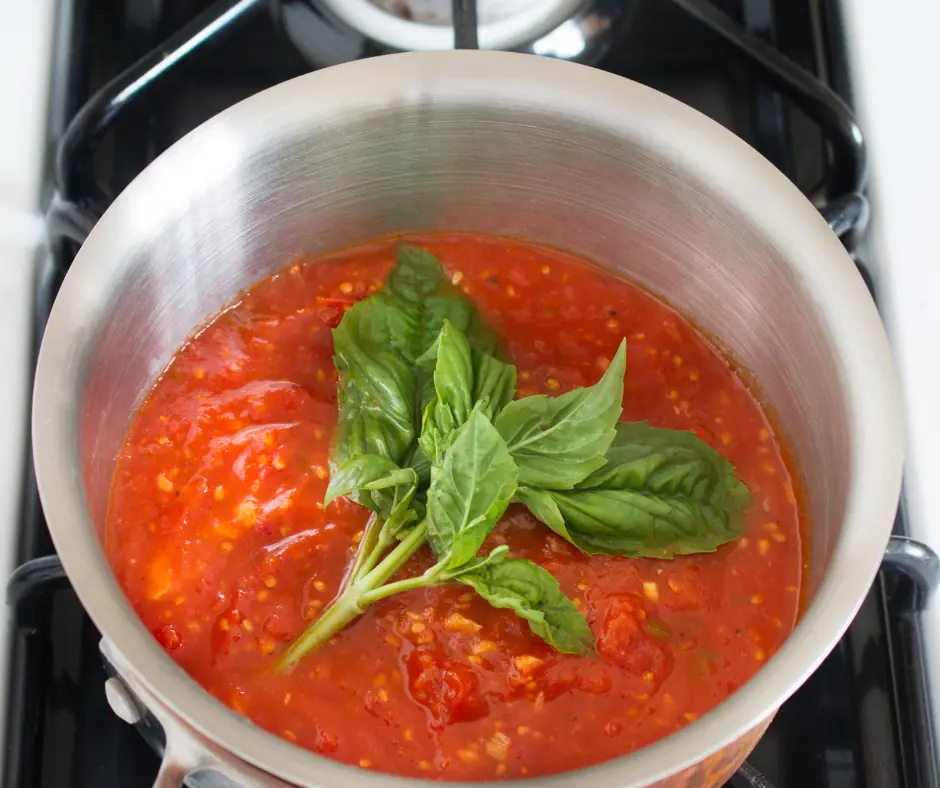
692	143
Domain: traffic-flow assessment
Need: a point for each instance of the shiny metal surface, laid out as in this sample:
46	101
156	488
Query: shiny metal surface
502	24
575	30
499	143
586	36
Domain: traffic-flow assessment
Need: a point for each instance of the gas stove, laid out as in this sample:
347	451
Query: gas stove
131	77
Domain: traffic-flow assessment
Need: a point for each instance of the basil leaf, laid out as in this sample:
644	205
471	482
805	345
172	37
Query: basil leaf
469	491
451	305
496	555
452	365
376	388
558	441
451	361
662	493
542	506
377	483
672	462
494	382
629	523
417	274
368	472
403	516
462	379
421	465
532	593
419	283
419	280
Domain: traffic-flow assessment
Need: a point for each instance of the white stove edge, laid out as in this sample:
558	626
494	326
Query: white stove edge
26	34
895	66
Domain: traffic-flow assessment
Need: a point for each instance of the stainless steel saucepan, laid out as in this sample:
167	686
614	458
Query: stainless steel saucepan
495	143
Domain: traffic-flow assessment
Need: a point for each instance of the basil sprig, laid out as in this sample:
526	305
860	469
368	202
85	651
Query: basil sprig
431	439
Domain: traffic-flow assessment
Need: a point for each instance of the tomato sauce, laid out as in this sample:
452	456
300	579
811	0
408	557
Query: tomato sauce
219	538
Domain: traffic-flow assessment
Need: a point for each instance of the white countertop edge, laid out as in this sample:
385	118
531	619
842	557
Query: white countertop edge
895	66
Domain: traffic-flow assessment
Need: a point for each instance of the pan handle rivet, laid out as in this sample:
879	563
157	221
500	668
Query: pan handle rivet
121	702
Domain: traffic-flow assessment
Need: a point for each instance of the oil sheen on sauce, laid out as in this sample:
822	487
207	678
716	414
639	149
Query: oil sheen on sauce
219	538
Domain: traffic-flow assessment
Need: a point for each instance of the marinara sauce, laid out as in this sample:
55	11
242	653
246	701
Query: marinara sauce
218	534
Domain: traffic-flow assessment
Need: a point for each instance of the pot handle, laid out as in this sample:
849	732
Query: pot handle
845	213
171	774
178	761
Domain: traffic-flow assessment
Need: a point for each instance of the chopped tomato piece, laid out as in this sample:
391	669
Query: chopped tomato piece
168	637
625	642
684	588
331	310
449	690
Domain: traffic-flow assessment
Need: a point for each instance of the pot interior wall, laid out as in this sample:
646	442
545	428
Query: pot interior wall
233	212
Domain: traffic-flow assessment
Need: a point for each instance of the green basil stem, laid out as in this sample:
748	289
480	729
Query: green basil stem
425	580
376	541
396	559
341	612
370	549
353	601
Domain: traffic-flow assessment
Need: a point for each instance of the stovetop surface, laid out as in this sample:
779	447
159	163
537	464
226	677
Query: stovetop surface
849	726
